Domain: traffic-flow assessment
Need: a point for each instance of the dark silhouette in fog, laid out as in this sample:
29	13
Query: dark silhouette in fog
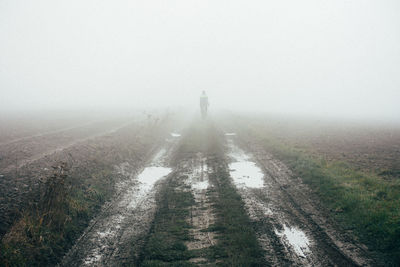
204	104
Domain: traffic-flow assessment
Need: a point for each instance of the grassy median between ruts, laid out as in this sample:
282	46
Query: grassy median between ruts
170	230
237	243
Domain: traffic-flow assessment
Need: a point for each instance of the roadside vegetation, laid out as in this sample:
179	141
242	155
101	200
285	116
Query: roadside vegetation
360	201
48	229
70	197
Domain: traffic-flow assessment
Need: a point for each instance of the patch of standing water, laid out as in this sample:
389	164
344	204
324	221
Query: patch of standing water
152	174
244	172
175	135
296	238
89	262
200	185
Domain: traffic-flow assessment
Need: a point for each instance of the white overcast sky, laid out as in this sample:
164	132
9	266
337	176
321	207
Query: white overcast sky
334	58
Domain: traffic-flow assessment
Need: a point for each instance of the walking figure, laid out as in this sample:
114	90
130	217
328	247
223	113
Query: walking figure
204	104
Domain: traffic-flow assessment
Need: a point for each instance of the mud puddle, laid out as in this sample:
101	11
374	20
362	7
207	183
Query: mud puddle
245	173
107	240
175	135
295	238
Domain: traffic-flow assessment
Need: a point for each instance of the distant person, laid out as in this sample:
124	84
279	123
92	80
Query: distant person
204	104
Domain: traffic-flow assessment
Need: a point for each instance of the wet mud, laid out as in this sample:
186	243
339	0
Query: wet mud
118	232
289	227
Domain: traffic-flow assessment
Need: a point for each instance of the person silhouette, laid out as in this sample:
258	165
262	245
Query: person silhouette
204	104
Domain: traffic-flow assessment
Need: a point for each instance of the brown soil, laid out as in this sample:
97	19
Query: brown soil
84	151
366	147
201	213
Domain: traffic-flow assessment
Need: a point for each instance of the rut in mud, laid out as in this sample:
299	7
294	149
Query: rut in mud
122	224
201	212
289	227
206	200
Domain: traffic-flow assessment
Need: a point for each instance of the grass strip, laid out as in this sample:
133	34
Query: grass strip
237	243
166	241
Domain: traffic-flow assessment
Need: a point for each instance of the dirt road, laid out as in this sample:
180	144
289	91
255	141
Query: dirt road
108	239
198	168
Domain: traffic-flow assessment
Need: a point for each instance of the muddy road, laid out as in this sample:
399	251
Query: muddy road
210	197
107	241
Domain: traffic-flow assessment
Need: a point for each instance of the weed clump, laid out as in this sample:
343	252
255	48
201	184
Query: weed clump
46	230
38	235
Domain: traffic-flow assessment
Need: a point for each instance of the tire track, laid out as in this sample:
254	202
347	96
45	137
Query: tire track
299	237
201	213
122	225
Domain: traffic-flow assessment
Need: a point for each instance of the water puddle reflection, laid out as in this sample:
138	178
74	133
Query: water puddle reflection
296	238
152	174
245	173
200	185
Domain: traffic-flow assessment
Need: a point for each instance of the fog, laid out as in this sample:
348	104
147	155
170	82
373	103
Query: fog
324	58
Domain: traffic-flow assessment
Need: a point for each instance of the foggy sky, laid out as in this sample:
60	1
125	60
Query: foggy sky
333	58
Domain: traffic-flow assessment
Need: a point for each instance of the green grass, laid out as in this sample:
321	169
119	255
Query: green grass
362	202
237	244
166	241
